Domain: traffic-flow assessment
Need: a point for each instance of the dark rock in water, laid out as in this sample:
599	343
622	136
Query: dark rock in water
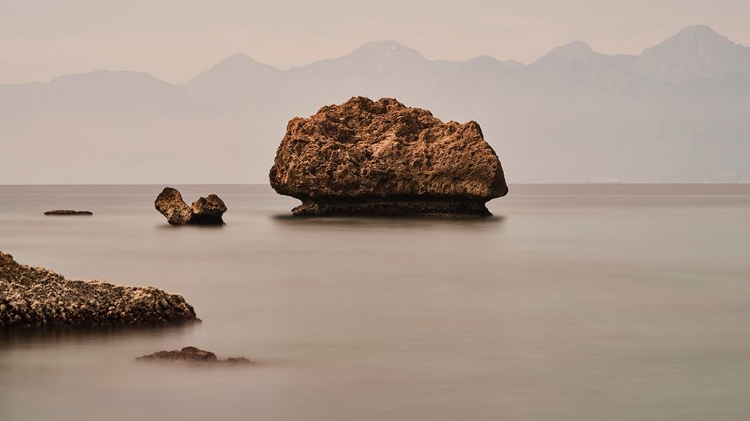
191	355
205	211
69	213
33	297
383	158
208	210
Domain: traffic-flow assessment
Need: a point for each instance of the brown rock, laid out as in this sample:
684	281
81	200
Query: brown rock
383	158
191	355
68	213
170	204
36	297
205	211
208	210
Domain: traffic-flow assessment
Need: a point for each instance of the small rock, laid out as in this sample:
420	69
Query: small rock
208	210
170	204
205	211
69	213
191	355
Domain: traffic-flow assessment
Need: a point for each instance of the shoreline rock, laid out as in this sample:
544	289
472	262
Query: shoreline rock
66	212
381	158
33	297
192	356
204	211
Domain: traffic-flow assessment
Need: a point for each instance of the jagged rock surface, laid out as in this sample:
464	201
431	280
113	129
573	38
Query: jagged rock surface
191	355
208	210
204	211
170	204
383	158
32	297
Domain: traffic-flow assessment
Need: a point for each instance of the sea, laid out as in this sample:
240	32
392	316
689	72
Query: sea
573	302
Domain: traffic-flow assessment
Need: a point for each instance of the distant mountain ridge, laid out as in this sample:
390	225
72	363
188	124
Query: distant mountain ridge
696	51
680	111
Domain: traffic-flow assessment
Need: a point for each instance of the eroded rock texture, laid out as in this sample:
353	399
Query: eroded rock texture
208	210
383	158
32	297
204	211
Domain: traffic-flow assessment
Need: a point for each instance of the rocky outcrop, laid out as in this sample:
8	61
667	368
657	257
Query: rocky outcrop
68	213
383	158
204	211
170	204
208	210
32	297
191	355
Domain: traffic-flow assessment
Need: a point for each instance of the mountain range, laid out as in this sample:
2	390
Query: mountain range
679	112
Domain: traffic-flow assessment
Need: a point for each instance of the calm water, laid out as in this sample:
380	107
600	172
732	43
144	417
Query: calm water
572	303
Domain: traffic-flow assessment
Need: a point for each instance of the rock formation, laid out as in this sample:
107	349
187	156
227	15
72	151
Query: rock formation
170	204
205	211
208	210
191	355
68	213
383	158
33	297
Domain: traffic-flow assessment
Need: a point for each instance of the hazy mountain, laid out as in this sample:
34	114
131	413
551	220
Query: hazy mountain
236	70
233	85
579	69
484	79
696	51
376	69
678	112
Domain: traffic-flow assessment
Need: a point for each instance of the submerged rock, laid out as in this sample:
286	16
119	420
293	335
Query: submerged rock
383	158
32	297
69	213
205	211
191	355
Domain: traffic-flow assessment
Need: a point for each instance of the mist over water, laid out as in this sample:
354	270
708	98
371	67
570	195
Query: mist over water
577	302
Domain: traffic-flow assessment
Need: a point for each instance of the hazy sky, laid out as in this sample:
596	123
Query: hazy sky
177	39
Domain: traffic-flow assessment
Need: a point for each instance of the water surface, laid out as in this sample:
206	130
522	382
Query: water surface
589	302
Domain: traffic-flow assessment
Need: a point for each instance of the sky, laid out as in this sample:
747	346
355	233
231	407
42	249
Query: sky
177	39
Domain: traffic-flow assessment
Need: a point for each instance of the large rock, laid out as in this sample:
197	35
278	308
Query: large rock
204	211
32	297
383	158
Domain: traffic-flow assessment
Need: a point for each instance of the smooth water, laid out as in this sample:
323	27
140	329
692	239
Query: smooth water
590	302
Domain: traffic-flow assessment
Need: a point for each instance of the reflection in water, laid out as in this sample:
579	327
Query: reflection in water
166	226
389	222
35	338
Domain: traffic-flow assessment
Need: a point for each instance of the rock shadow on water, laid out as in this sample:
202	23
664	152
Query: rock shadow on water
188	227
55	337
388	221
